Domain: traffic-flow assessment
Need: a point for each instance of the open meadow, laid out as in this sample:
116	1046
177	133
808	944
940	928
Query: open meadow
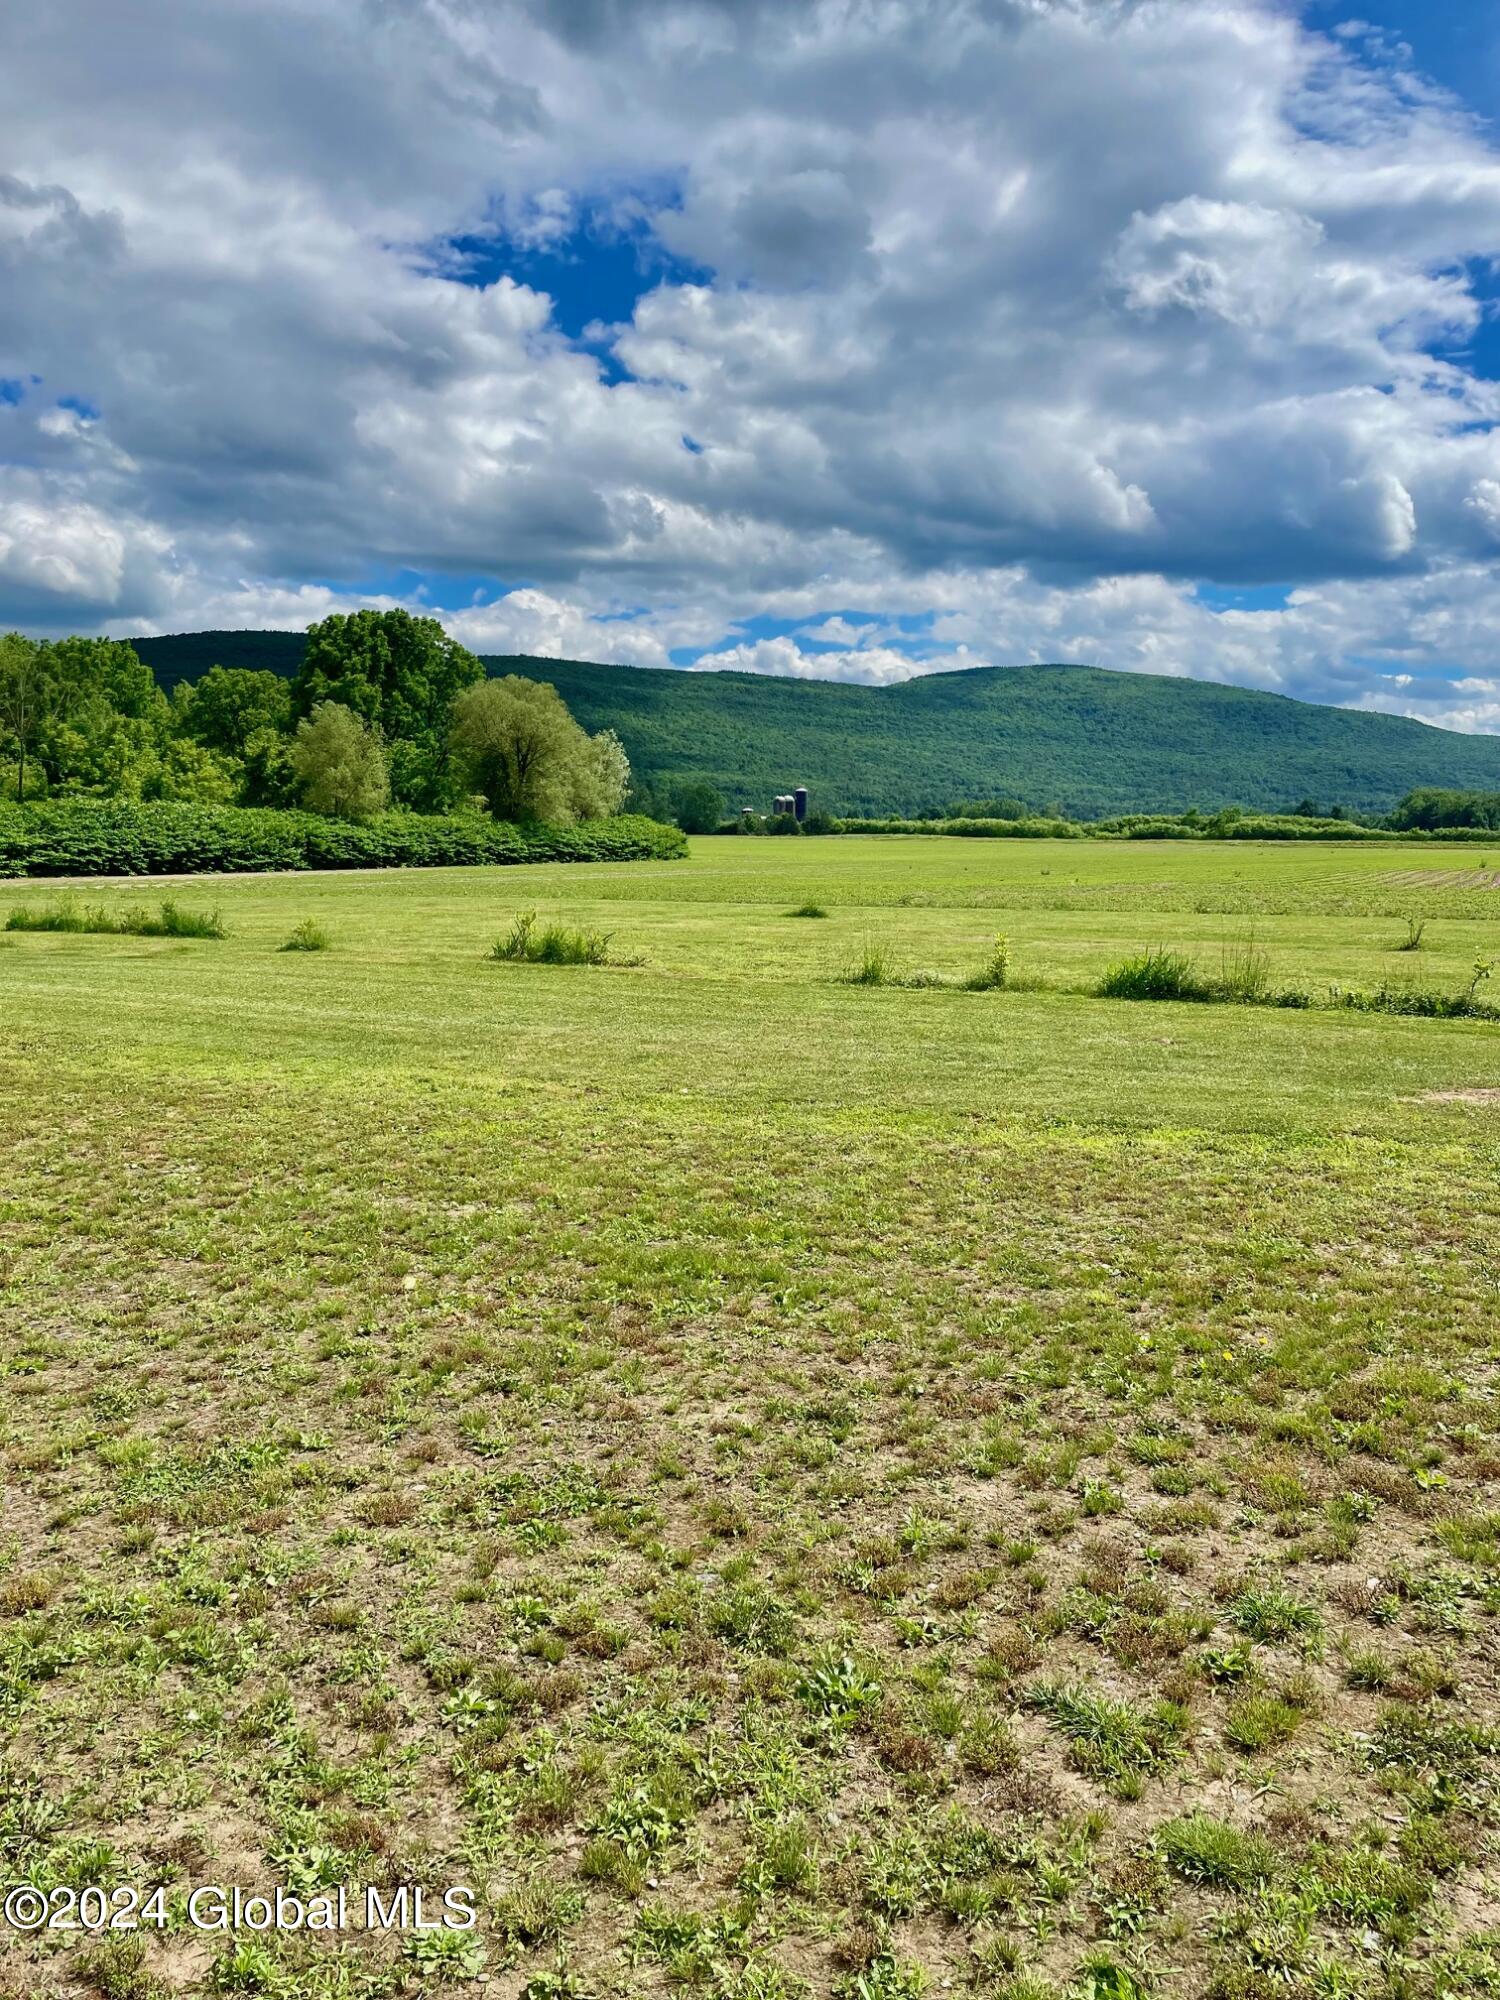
785	1487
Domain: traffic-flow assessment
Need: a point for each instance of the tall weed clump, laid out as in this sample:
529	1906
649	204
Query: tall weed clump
1244	979
552	944
308	936
1154	975
69	915
871	968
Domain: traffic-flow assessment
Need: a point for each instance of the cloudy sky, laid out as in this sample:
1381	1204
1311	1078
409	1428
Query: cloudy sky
847	338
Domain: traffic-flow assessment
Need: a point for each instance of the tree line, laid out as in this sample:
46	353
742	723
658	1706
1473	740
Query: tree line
387	710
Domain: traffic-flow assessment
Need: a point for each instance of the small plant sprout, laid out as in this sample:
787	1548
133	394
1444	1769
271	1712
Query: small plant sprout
994	975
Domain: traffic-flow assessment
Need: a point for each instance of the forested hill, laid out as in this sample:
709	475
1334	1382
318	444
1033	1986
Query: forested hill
1085	740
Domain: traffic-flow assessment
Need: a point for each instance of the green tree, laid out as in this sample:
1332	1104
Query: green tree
340	764
601	777
514	742
227	706
268	772
697	807
107	725
400	674
27	692
1431	807
188	770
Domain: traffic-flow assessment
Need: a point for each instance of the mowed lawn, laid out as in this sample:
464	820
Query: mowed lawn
782	1487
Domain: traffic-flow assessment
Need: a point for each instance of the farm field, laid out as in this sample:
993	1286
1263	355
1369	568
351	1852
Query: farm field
786	1488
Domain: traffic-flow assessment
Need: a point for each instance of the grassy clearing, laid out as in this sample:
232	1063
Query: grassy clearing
786	1489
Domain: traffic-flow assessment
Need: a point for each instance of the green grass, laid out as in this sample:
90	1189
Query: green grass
777	1484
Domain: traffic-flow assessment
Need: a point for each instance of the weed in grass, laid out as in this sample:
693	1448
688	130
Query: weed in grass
884	1978
1157	974
175	922
1262	1722
1244	975
1205	1850
446	1955
308	936
808	910
552	944
837	1688
871	968
1273	1614
1424	1003
69	915
994	975
1118	1742
1416	930
1101	1978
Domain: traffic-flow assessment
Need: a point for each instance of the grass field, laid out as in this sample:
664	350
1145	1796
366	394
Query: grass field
783	1487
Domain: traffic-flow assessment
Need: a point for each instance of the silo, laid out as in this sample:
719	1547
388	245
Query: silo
799	802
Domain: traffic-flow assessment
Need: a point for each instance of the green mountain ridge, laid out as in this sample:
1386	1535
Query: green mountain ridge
1085	739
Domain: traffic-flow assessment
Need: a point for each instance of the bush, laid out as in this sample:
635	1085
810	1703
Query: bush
308	936
808	910
555	944
128	837
1155	975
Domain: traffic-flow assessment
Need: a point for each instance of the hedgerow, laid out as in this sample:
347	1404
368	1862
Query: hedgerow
124	837
1166	826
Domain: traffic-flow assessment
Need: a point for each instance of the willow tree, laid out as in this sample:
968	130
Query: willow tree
515	744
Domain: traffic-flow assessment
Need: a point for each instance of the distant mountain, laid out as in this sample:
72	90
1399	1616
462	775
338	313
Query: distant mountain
1085	740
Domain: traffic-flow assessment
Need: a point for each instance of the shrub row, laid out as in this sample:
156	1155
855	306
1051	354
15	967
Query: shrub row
972	829
125	837
1153	826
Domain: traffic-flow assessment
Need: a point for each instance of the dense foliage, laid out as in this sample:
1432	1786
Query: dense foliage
1059	740
1428	808
382	707
401	675
127	837
514	743
340	763
1228	825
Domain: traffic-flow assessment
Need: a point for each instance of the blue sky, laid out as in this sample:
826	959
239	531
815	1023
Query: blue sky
764	334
